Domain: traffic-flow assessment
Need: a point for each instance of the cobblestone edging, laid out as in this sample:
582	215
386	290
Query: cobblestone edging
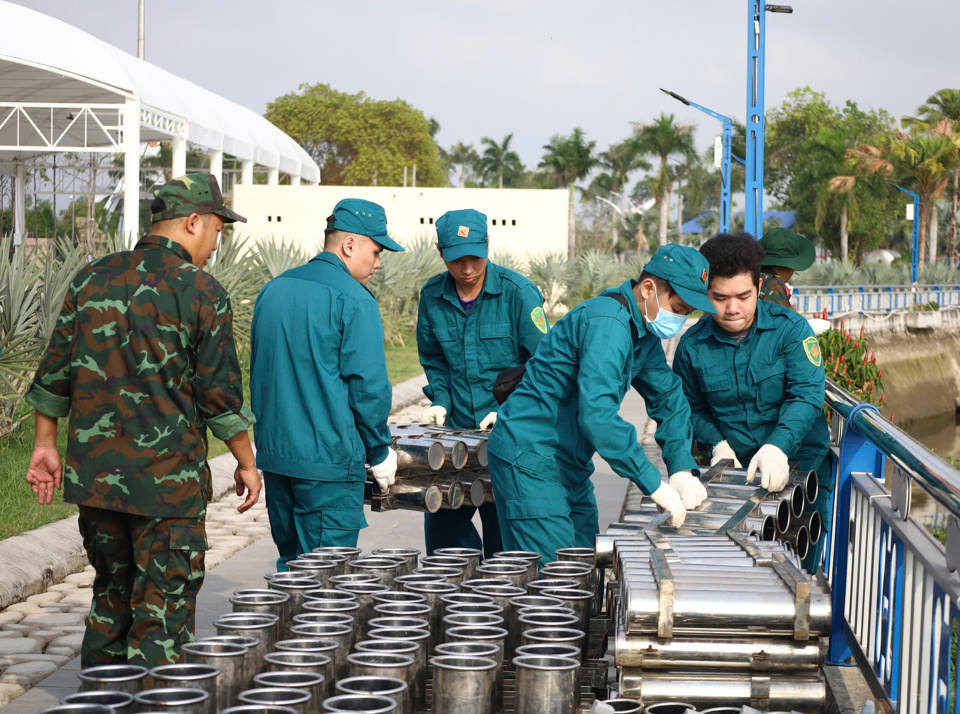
45	582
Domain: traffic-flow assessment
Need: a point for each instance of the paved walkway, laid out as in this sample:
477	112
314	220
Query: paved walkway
40	637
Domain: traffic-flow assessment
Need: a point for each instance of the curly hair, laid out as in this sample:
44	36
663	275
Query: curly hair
730	255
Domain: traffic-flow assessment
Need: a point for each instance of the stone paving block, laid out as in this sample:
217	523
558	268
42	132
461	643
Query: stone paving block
58	660
81	580
17	627
78	597
7	634
9	692
27	674
52	620
26	608
62	588
9	617
45	597
73	640
67	652
213	559
44	636
20	645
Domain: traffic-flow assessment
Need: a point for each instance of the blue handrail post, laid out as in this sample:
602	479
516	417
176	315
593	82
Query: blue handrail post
857	455
753	189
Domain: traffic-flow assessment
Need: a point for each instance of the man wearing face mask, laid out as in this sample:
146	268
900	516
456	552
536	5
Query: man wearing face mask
475	320
753	375
319	386
566	409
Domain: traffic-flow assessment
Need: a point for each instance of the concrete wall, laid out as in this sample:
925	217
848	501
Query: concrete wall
521	221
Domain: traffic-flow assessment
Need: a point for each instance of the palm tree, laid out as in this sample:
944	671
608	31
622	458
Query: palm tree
464	156
498	159
830	152
665	138
567	159
941	114
620	160
919	162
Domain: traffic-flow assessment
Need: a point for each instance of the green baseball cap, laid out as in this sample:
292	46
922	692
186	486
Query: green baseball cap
193	193
687	271
461	233
364	218
787	249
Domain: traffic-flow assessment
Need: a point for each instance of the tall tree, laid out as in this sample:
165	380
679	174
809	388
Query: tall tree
566	160
464	156
941	114
665	138
619	160
358	140
498	160
919	163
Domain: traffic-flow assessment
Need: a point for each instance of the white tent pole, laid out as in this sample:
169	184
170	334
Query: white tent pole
131	171
294	179
179	163
246	172
216	165
273	177
19	204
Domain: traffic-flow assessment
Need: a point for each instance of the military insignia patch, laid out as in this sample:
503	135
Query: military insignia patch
463	231
703	277
812	349
539	319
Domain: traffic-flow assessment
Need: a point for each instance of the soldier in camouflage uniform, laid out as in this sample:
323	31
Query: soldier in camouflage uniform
786	253
142	361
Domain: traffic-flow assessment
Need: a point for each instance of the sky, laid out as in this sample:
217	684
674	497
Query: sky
537	68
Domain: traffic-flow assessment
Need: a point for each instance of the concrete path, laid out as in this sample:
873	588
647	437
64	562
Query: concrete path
40	680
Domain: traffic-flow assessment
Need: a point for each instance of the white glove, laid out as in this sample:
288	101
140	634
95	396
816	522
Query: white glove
818	325
489	420
689	487
385	472
433	415
773	466
723	451
669	500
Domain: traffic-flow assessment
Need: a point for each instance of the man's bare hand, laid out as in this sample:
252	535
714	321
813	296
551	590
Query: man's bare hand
249	479
44	473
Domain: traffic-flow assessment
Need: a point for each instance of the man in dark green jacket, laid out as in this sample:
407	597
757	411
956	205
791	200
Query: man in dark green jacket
319	386
475	320
753	374
567	406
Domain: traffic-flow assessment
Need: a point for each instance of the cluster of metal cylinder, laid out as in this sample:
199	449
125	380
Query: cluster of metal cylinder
386	633
711	620
437	467
778	516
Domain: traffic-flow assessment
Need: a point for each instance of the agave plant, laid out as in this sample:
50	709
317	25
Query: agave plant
507	260
593	273
240	272
275	257
398	282
551	273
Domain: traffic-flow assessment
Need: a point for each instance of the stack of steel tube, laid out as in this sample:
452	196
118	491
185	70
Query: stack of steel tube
437	467
777	516
714	620
386	632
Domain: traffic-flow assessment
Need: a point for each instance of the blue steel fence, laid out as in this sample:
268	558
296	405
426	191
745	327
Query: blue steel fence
896	589
839	300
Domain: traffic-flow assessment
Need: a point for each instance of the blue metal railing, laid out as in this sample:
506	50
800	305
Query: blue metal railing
844	299
896	590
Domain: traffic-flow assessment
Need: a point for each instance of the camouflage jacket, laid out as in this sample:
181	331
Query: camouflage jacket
142	360
773	289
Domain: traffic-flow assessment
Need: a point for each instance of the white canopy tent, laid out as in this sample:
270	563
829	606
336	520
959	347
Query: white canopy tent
63	90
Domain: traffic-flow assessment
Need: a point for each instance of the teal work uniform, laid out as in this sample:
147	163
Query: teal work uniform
566	408
462	355
319	387
766	390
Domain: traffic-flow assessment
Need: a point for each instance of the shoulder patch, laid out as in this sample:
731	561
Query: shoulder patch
812	349
539	319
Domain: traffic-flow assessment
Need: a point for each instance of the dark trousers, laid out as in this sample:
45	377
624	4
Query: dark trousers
148	574
306	514
455	529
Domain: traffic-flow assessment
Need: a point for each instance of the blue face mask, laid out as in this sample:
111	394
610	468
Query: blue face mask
667	324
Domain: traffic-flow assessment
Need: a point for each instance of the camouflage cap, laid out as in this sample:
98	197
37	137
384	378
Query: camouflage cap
192	193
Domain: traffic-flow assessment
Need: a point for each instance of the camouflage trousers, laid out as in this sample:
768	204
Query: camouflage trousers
148	574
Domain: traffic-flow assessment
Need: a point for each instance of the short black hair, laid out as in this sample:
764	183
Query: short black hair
733	254
662	285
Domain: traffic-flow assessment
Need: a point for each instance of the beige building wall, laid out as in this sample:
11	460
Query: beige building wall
521	221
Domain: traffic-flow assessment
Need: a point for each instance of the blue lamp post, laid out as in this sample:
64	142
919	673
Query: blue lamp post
724	162
756	49
916	229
